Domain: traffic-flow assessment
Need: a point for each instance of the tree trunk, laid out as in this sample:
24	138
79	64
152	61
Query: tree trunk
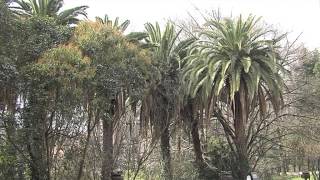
11	135
84	152
318	167
284	166
107	163
299	167
161	115
107	154
35	119
187	114
197	144
165	152
240	140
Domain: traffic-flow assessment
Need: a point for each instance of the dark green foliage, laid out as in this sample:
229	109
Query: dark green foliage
118	63
7	45
31	38
219	155
7	160
69	78
38	34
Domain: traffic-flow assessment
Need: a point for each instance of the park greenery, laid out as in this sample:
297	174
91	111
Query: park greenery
206	98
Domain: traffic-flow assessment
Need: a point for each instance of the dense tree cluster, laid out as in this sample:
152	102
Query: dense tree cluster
82	99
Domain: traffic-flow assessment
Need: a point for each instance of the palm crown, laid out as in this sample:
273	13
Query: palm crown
49	8
114	24
234	57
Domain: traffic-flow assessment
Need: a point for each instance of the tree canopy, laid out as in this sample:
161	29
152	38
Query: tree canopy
87	99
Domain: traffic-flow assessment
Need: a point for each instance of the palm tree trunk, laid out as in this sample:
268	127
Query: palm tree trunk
162	118
240	138
203	169
197	144
165	152
189	112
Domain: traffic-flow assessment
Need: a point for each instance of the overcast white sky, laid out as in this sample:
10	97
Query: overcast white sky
294	16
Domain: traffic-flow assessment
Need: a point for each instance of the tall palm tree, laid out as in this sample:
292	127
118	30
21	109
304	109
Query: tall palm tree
159	104
51	8
235	63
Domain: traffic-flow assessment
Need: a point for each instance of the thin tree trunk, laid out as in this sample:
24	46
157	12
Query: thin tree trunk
89	130
83	157
318	167
107	154
11	133
299	166
107	163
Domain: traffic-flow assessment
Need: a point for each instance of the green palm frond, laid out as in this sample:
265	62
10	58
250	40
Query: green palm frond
165	42
70	16
114	24
232	53
49	8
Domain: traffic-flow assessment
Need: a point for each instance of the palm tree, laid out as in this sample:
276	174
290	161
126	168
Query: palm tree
51	8
233	63
160	102
138	38
114	24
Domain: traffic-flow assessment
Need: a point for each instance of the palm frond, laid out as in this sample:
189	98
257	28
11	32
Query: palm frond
231	54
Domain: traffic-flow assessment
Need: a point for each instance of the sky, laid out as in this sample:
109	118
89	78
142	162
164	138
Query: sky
292	16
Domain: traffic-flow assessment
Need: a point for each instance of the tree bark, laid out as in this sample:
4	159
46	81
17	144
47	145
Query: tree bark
197	144
37	152
107	163
165	152
107	154
35	119
240	140
89	130
161	115
189	113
